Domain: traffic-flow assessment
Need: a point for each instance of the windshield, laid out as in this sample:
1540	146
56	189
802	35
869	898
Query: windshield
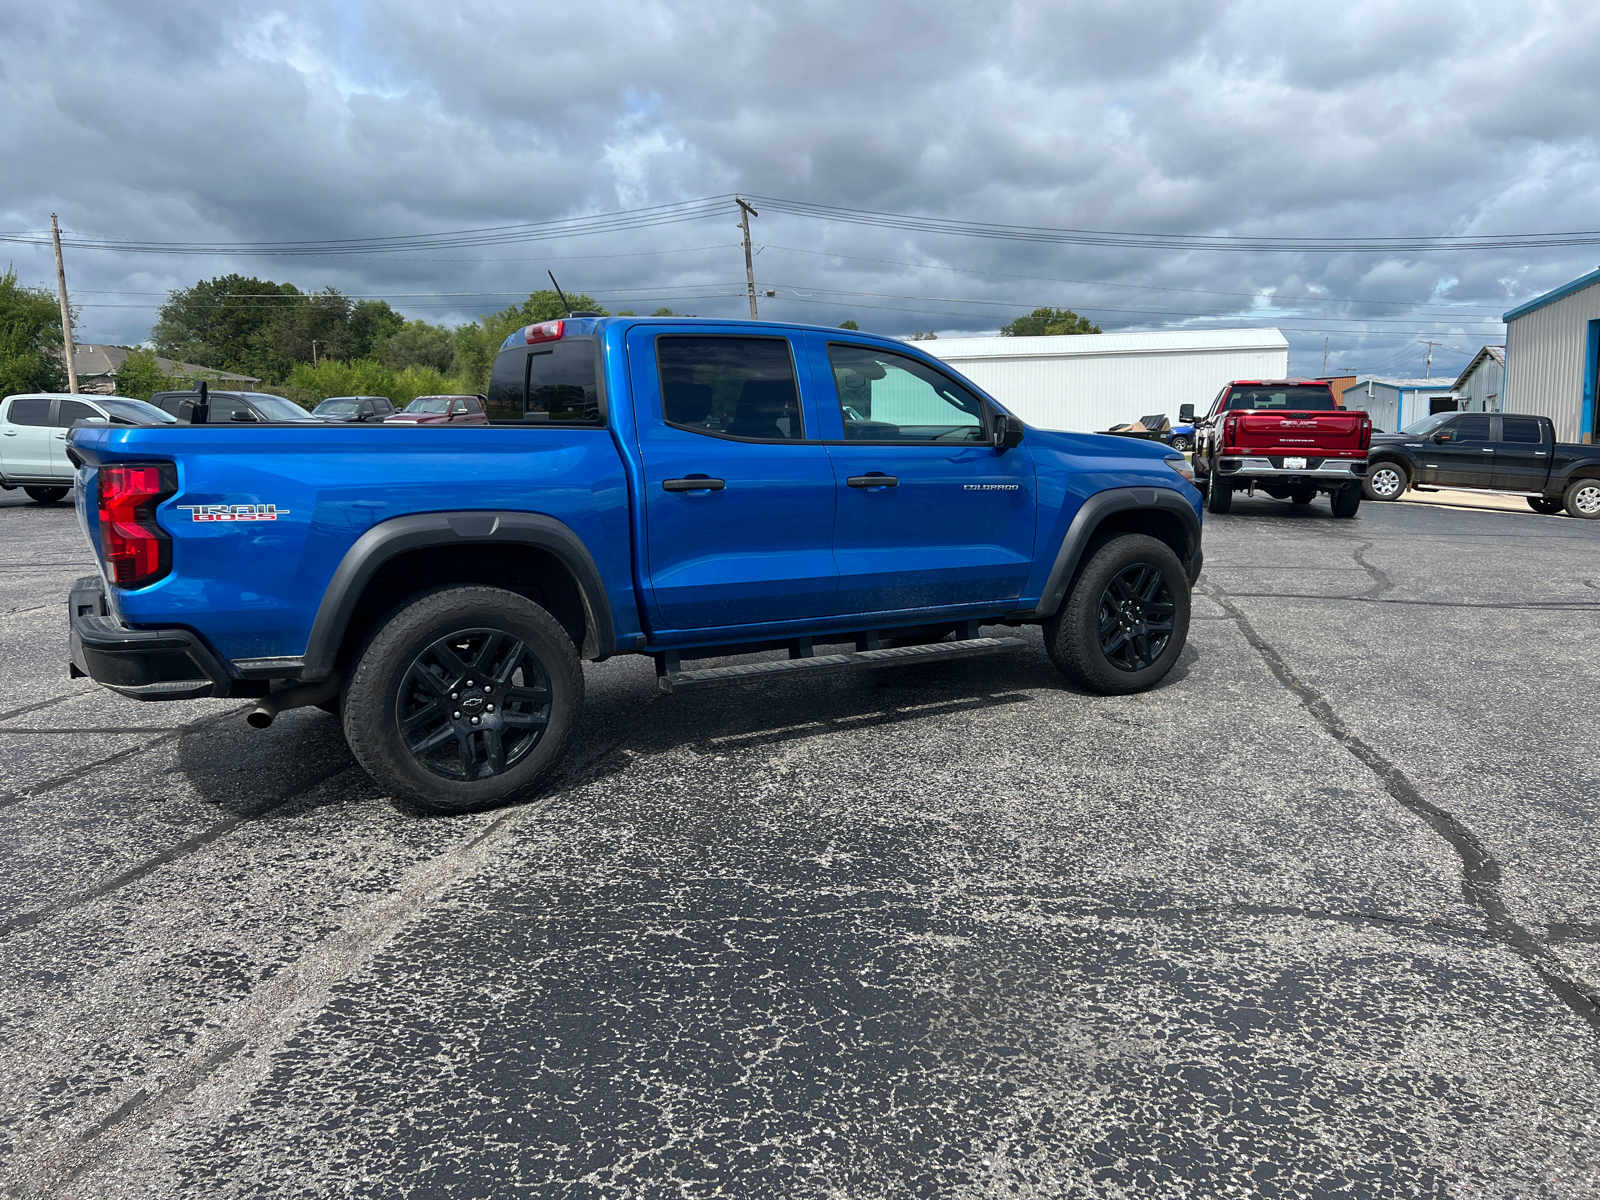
429	404
1299	398
1427	425
136	412
337	408
276	408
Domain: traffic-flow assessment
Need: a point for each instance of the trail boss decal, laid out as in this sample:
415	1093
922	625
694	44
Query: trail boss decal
233	512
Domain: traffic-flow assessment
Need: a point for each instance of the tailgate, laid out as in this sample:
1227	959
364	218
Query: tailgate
1301	432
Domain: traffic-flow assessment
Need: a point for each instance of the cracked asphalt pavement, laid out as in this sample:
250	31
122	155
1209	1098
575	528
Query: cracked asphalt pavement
1317	917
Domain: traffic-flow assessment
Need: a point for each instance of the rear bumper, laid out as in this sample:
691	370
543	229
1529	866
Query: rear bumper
146	664
1316	471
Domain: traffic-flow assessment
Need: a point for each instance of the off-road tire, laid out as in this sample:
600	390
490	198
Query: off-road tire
1345	502
1582	499
46	495
373	697
1302	495
1543	504
1385	481
1219	496
1073	636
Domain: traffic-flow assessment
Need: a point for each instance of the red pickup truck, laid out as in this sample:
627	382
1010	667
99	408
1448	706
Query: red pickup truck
1286	437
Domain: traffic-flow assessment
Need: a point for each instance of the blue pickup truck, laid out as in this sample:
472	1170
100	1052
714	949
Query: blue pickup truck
686	489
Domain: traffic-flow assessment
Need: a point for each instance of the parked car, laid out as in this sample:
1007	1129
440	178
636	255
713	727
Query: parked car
33	435
1489	452
1182	436
347	409
243	408
1284	436
685	490
437	410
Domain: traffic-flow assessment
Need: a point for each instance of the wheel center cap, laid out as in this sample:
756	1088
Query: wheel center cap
471	704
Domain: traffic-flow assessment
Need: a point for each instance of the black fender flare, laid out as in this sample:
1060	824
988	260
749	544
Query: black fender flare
1089	517
421	530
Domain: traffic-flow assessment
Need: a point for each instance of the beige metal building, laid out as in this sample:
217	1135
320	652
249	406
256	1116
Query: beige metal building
1552	355
1089	382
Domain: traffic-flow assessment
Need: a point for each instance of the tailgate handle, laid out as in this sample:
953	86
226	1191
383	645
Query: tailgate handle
872	481
694	483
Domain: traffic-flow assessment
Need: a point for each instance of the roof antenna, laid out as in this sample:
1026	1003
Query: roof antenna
559	292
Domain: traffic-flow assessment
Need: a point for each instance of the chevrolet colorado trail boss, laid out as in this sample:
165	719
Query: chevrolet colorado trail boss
1491	452
685	489
1286	437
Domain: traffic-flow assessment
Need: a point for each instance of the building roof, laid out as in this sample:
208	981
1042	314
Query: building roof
1106	343
93	360
1561	293
1498	353
1404	385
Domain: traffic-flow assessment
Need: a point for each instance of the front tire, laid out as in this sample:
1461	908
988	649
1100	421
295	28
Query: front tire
1180	442
1582	499
1126	620
1384	481
463	699
46	495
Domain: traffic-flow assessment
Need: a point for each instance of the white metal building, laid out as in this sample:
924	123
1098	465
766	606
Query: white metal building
1483	383
1089	382
1395	403
1552	356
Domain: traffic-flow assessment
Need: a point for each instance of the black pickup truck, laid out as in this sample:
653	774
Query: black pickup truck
1487	452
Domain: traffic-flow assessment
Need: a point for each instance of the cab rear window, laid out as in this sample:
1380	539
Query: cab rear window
555	383
1300	398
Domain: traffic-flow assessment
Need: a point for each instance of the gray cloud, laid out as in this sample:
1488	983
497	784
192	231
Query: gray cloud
225	121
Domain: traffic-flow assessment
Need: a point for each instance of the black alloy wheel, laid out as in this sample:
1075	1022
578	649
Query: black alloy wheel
1126	619
473	704
1136	617
463	698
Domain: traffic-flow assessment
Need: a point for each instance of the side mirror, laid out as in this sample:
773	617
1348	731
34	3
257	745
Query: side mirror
1442	436
1185	414
241	415
1007	432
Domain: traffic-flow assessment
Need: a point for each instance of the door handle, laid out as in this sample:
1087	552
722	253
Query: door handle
694	483
1486	450
11	433
872	481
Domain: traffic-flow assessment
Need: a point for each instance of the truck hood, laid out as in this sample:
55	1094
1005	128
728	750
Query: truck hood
1299	432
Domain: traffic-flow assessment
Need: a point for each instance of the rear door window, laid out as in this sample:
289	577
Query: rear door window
1522	429
1281	397
889	397
738	387
28	411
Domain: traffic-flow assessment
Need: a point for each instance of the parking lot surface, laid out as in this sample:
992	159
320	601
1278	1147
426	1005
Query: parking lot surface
1317	917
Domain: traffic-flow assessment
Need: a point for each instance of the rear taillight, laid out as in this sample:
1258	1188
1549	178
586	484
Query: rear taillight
137	550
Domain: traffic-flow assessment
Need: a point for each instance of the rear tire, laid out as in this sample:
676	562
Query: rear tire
46	495
1582	499
1542	504
1126	620
1384	481
1219	496
1345	502
1180	442
443	660
1302	496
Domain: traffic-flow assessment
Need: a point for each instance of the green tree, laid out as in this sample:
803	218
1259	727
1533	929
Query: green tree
920	336
666	312
141	376
1048	322
419	344
372	322
850	325
225	323
322	319
30	338
472	355
545	305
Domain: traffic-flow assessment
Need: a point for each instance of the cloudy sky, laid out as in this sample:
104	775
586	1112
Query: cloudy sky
215	123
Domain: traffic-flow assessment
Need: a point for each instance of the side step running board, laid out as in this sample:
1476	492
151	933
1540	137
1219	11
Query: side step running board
825	664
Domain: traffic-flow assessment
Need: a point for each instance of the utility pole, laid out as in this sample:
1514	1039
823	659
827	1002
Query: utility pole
66	313
1324	358
745	213
1428	370
313	352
